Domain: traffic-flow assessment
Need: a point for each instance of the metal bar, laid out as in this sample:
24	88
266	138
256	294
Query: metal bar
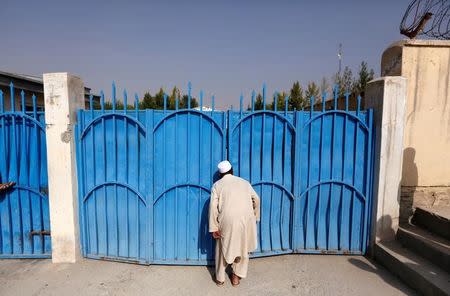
367	205
11	97
125	128
189	95
79	155
114	97
164	186
309	171
240	135
333	138
352	200
103	136
176	189
2	102
253	100
320	174
95	179
199	168
165	103
264	96
342	187
150	177
138	228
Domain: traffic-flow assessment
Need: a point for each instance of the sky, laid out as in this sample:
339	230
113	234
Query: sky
224	48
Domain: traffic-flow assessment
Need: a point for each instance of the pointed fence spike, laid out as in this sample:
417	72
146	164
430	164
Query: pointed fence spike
212	103
11	94
102	100
358	106
324	98
241	102
2	103
91	103
114	96
136	102
347	94
253	100
275	101
125	100
189	95
22	96
286	104
201	100
165	102
336	94
264	96
33	98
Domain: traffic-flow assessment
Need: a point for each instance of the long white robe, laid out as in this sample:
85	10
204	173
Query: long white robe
234	209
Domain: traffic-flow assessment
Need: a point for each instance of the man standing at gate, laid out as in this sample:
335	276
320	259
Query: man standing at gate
233	212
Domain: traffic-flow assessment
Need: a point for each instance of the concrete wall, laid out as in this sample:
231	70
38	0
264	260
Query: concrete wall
387	97
64	95
426	160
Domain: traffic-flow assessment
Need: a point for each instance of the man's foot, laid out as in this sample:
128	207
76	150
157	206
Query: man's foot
235	280
219	283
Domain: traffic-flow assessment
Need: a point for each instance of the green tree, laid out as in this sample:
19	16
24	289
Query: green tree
184	102
172	98
344	81
312	91
159	99
364	76
259	102
296	98
148	102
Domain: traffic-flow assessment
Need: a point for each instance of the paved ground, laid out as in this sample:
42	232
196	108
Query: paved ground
281	275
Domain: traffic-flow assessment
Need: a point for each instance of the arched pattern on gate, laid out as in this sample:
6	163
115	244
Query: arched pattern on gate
112	157
181	216
24	208
334	186
261	150
114	219
187	145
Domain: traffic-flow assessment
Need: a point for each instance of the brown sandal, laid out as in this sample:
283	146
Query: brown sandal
235	280
219	283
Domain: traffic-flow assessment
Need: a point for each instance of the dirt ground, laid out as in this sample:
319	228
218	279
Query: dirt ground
280	275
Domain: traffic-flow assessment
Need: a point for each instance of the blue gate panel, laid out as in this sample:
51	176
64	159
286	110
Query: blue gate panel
145	179
260	150
112	156
187	146
24	212
333	206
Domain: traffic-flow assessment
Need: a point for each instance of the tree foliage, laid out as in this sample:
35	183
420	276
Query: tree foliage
156	101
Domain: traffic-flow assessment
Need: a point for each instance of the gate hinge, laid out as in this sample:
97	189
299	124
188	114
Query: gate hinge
40	232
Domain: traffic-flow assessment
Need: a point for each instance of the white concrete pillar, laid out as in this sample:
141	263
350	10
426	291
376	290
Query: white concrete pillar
387	96
64	95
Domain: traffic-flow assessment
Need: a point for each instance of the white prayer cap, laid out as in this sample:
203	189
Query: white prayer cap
224	166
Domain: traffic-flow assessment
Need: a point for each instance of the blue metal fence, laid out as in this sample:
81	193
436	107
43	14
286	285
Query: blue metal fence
145	179
24	213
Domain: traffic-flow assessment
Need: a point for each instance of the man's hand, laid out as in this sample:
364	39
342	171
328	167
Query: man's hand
216	234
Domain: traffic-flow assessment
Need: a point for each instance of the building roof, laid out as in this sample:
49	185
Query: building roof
28	82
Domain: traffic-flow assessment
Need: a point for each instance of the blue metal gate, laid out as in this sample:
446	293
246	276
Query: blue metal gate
312	170
145	179
24	212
